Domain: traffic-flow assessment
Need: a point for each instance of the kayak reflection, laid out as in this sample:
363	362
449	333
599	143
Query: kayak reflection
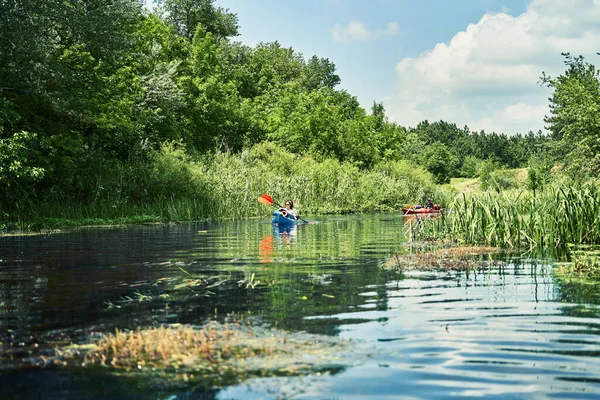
282	235
285	231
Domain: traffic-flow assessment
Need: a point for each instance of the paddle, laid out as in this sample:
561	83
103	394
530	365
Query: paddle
268	200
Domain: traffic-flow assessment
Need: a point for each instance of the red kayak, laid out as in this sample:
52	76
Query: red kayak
412	211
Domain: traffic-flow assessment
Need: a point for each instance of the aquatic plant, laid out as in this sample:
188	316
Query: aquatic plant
558	216
214	354
578	280
173	185
453	258
587	262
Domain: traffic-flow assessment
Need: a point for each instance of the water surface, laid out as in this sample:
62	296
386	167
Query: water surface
509	331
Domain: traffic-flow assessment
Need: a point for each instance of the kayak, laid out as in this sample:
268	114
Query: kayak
281	220
412	211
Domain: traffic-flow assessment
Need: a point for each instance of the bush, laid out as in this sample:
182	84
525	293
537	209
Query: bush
470	167
539	172
174	174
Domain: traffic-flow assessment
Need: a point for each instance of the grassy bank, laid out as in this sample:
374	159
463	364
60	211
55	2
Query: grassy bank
173	185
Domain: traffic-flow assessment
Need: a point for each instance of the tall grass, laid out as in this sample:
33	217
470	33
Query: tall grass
558	216
172	185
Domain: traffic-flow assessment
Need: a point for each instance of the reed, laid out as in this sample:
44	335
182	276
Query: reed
172	185
558	216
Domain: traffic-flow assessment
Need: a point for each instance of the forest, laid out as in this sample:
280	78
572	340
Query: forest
110	112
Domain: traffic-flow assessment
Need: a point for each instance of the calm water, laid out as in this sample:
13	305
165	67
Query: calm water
511	331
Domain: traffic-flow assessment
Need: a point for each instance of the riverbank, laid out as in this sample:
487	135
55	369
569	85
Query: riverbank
175	186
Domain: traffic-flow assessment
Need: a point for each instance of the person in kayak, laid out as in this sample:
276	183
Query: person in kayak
289	210
429	204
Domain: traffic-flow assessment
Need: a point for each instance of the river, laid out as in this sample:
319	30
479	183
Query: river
507	330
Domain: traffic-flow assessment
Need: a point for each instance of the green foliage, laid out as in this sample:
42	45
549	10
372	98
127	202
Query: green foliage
417	182
463	145
273	156
486	176
493	177
539	172
504	179
439	162
470	167
16	167
558	216
187	15
174	174
355	143
319	73
125	102
575	115
171	184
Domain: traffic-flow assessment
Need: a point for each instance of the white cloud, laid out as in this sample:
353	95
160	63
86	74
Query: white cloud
511	119
357	31
487	75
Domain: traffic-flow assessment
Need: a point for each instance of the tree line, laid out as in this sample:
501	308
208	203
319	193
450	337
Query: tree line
89	84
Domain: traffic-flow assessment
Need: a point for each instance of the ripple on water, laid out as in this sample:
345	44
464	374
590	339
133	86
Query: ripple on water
509	331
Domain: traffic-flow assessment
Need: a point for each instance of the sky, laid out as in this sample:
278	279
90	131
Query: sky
470	62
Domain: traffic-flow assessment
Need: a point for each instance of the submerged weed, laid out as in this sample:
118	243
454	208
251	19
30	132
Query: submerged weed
216	353
454	258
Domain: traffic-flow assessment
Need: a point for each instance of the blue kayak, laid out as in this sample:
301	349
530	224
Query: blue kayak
280	220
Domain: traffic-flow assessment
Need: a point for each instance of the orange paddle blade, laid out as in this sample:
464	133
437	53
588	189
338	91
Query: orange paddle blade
265	201
267	197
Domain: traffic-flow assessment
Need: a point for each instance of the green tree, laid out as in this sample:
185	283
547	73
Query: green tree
470	167
18	168
439	161
320	72
494	177
539	171
66	78
186	15
574	122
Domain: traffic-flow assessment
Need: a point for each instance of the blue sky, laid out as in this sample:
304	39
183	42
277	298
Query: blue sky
366	67
472	62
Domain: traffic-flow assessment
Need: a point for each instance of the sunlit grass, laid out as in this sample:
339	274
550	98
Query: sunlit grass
555	218
173	186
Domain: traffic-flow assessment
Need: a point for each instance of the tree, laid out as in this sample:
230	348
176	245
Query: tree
539	171
439	162
186	15
320	72
575	115
470	167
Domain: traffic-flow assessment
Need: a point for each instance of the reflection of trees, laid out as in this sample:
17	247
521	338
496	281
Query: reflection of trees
292	265
323	271
573	287
65	280
299	295
578	279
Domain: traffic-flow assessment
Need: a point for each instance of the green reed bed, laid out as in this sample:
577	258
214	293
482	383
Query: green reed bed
172	185
554	218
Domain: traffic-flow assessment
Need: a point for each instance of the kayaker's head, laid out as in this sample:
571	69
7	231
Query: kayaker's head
289	204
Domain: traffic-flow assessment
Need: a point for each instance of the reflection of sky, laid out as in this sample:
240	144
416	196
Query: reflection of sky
499	333
506	330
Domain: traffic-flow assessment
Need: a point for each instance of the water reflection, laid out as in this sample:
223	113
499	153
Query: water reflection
511	331
282	235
